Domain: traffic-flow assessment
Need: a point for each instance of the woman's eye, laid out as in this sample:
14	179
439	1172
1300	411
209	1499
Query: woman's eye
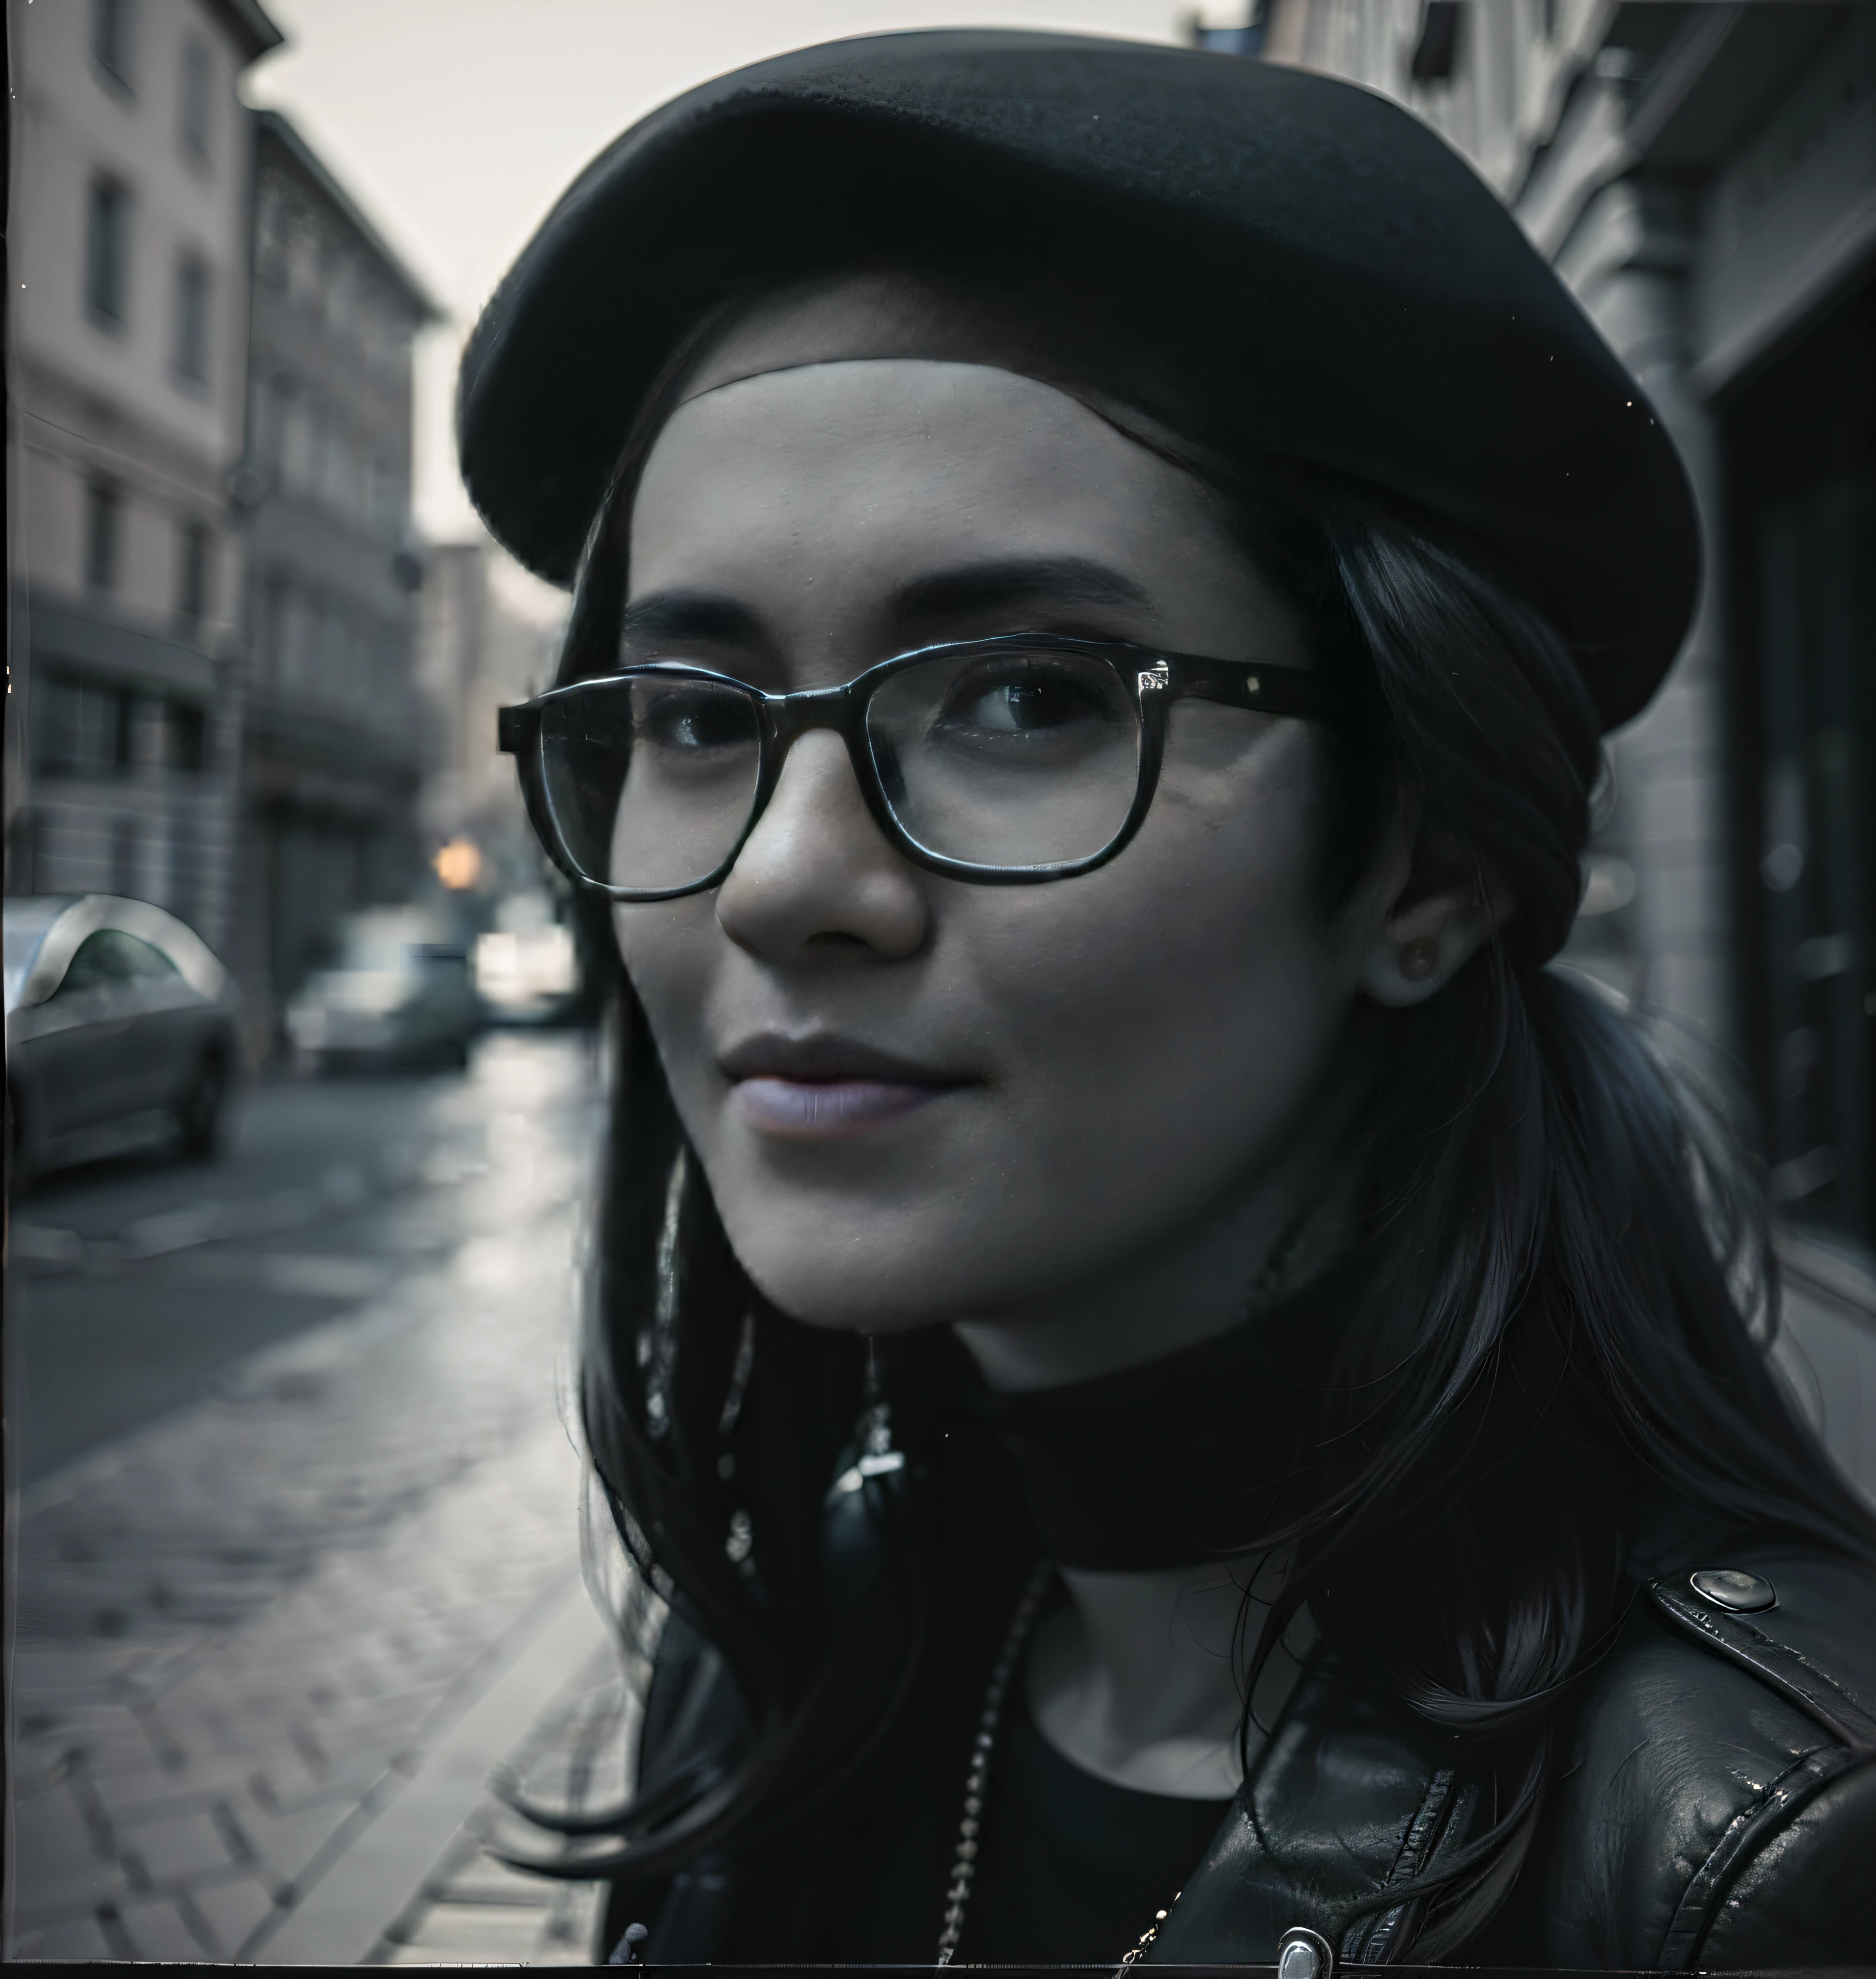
699	721
1023	706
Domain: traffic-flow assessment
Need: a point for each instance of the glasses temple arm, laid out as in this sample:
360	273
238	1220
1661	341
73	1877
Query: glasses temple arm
1300	691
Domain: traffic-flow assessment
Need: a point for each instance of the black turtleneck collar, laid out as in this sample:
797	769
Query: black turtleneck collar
1189	1458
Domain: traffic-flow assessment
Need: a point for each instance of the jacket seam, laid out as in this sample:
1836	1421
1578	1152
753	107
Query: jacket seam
1845	1716
1374	1944
1742	1839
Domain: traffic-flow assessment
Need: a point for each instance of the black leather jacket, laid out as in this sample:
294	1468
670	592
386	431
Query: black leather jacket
1713	1805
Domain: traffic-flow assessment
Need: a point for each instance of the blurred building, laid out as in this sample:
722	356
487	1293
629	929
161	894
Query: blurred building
478	650
1704	176
129	240
333	752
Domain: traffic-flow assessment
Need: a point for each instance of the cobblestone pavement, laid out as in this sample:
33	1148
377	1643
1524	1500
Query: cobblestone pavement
268	1646
471	1908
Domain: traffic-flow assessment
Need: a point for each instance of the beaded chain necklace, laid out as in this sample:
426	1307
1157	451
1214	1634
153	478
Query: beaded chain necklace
977	1777
996	1692
1301	1954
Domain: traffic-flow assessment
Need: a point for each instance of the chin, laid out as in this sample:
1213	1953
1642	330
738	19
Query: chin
875	1269
894	1292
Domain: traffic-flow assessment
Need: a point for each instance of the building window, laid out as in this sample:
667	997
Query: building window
272	405
113	40
185	737
80	729
1435	55
317	428
298	429
274	628
108	252
124	839
192	574
1235	30
190	355
272	213
340	479
104	534
381	497
194	98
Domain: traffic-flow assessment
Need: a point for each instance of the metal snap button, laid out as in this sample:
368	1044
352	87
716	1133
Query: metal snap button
1739	1592
1303	1953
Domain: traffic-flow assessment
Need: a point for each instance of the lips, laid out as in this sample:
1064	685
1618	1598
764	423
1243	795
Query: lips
824	1088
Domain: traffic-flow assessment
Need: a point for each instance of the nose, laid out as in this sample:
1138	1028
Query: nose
816	877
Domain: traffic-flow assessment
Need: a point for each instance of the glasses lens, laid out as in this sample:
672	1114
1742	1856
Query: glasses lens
1016	757
651	779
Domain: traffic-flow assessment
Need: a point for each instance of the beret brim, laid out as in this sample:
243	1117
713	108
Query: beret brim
1341	288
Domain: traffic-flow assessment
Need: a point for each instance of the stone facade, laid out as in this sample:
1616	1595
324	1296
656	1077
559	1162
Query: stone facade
334	751
129	318
1704	178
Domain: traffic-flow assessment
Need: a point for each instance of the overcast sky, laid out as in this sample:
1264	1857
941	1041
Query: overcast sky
455	123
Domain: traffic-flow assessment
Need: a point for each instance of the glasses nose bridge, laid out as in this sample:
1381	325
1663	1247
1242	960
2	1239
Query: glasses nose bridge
840	707
791	716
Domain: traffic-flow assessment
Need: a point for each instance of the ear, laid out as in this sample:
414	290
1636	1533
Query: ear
1431	916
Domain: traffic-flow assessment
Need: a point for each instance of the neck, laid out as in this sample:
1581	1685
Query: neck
1271	1237
1133	1676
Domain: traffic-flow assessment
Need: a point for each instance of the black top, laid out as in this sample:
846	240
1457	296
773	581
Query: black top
1074	1867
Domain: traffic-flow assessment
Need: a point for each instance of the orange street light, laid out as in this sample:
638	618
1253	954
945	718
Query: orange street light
459	865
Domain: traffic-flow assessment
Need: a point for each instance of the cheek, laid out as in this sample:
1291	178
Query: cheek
669	949
1171	1020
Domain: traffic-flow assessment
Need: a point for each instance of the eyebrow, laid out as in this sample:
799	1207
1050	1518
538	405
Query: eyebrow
707	617
1011	580
699	615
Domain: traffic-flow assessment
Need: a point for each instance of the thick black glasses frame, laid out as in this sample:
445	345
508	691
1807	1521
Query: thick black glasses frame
1154	680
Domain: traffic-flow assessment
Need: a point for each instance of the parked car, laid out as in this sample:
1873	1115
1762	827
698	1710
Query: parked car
526	967
117	1018
399	994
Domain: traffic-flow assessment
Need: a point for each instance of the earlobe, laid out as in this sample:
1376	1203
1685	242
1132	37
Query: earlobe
1428	938
1419	958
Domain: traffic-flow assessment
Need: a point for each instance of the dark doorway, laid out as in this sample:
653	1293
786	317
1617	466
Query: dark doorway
1800	440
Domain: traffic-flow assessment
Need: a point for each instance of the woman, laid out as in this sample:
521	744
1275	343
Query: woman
1180	1387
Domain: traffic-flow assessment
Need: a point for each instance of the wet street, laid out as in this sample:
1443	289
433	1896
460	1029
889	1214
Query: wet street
298	1540
139	1279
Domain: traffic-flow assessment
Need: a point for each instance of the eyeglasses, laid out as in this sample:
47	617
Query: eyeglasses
1006	762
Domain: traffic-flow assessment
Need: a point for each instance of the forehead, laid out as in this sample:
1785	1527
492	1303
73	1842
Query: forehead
847	452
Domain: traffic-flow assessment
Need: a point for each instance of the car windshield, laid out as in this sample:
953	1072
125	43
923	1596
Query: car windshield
22	944
384	943
374	952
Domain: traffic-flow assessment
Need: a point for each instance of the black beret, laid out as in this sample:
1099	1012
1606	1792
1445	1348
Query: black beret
1336	286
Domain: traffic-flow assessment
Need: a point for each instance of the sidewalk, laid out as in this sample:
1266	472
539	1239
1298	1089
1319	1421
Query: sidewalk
290	1791
269	1649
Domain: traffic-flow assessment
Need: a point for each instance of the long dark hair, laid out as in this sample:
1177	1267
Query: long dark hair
1562	1361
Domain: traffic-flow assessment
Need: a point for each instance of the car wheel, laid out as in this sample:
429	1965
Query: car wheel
198	1118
